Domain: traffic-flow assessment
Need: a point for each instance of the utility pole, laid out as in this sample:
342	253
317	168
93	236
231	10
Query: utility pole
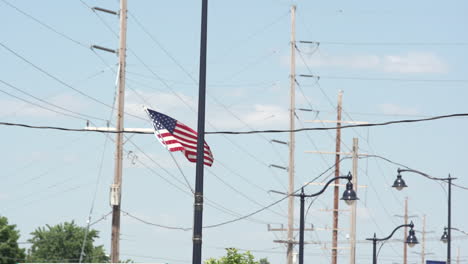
337	173
405	219
355	154
352	258
116	189
292	139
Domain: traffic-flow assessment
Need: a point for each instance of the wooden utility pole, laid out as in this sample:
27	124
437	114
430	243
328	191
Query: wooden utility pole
352	257
337	173
292	139
405	247
116	189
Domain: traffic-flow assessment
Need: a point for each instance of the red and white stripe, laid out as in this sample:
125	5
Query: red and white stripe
184	139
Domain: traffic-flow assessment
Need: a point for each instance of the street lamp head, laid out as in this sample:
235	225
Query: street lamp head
349	195
411	240
445	237
399	183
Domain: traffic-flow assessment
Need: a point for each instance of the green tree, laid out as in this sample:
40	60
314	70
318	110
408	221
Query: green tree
234	257
63	243
10	252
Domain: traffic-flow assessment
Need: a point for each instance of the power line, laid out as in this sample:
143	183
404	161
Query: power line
195	81
154	224
40	106
52	76
270	205
329	101
208	201
46	102
190	107
242	194
61	81
343	43
45	25
270	131
402	165
93	201
182	68
356	78
236	219
100	219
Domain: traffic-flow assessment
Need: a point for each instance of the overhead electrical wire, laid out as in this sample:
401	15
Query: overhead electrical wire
192	78
74	41
254	34
268	131
41	106
242	194
406	167
183	69
3	0
360	43
93	200
61	81
75	114
45	25
208	201
141	61
358	78
244	216
310	104
331	103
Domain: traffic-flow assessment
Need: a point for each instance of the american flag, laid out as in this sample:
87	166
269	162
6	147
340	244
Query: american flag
178	137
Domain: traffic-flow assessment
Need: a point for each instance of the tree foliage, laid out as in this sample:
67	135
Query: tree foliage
63	243
234	257
10	252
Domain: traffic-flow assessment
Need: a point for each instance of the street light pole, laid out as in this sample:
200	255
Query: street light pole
411	240
349	196
399	184
449	218
301	228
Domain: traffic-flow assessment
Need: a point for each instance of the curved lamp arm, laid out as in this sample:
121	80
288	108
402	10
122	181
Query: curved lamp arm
459	230
390	236
423	174
410	225
349	177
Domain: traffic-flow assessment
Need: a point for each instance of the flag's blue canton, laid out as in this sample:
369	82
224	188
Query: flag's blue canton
162	121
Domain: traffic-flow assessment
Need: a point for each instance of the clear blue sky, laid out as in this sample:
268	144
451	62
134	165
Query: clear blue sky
396	60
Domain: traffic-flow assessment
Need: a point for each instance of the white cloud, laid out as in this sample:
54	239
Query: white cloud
393	109
412	62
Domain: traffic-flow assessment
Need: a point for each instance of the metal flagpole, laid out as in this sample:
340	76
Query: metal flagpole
198	204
